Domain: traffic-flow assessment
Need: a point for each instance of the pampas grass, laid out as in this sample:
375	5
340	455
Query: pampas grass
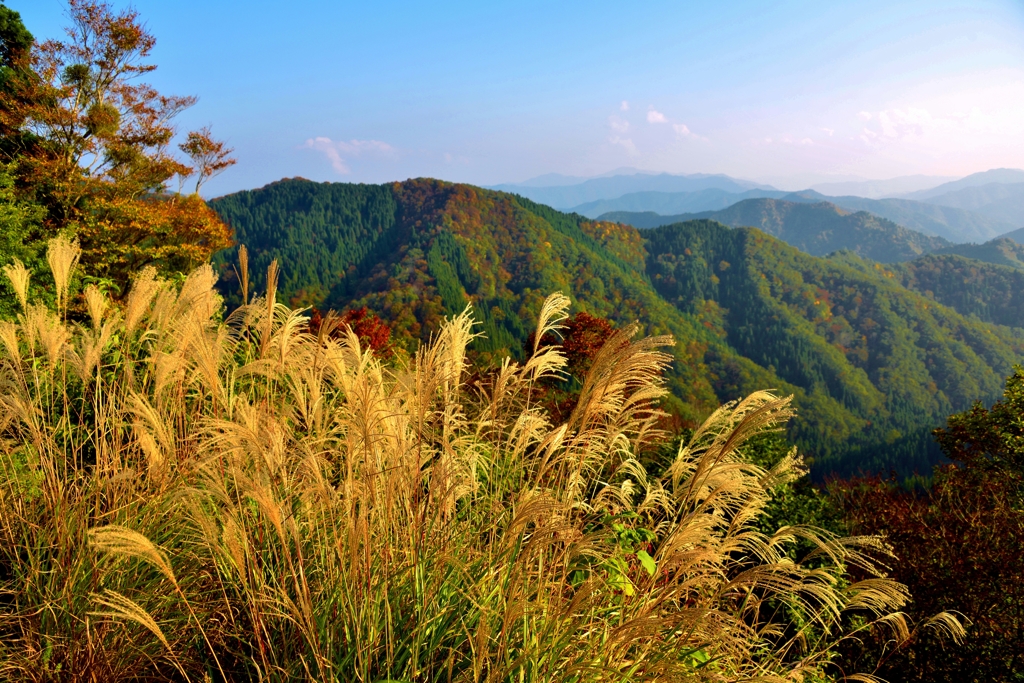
189	499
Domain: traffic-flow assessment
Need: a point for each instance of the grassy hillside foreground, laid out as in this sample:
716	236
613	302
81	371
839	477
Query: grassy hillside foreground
191	498
873	365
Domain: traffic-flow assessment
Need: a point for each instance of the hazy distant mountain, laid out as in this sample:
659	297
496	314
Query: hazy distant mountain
996	175
566	196
549	180
875	189
953	224
712	199
816	229
956	225
560	180
1015	235
1002	201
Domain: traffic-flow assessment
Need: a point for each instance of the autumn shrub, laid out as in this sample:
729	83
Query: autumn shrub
959	544
186	495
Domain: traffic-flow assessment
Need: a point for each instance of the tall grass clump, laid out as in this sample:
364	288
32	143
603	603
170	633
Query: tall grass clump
187	497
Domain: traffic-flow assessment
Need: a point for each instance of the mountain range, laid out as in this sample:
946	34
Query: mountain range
1007	176
976	208
877	189
875	355
594	189
816	229
951	223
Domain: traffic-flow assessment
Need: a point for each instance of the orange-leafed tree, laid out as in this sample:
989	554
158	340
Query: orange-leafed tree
209	156
102	154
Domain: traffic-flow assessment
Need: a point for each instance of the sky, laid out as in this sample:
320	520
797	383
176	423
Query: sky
788	93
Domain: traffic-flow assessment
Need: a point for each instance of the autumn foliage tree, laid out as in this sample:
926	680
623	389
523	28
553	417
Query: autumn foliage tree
94	146
581	337
373	333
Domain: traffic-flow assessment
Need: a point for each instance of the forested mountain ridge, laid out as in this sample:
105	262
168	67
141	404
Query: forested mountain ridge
818	229
951	223
873	365
846	330
992	293
1002	251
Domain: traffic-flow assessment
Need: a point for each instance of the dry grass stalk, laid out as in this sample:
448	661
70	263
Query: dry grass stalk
265	504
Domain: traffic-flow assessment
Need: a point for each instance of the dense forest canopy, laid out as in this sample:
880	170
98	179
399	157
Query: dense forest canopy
876	356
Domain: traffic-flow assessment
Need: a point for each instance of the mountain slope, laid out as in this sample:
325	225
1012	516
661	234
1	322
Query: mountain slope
1001	251
816	229
989	292
1015	235
868	389
849	332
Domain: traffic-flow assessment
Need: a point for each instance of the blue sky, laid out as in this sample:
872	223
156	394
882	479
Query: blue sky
489	92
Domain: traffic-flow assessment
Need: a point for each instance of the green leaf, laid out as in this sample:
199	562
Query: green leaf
647	562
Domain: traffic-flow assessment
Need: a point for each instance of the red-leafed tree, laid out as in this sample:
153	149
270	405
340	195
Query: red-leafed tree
582	337
373	333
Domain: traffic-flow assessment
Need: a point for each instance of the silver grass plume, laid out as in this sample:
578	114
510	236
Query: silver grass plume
62	256
19	276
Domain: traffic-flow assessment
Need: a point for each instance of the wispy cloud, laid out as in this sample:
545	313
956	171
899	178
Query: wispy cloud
338	152
625	143
654	116
618	124
907	122
829	131
624	106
